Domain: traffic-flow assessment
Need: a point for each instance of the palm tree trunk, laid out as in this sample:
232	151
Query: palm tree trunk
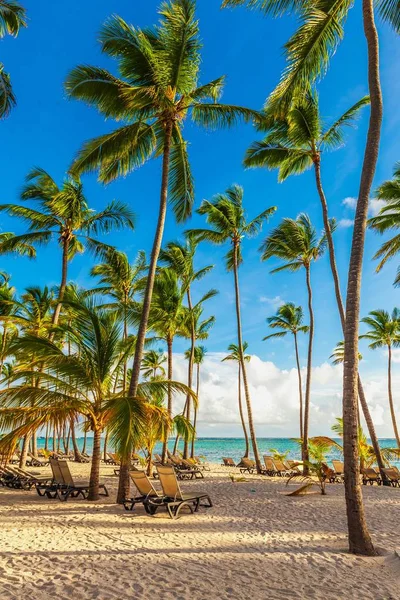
300	384
95	469
339	301
359	538
190	371
309	367
24	451
246	437
169	400
63	285
84	442
105	446
123	485
242	363
3	349
77	453
34	443
392	413
46	439
195	410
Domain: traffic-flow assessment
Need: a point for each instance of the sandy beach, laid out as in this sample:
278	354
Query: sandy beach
254	543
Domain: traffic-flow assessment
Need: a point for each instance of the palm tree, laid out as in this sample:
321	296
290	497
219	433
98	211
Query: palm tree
120	280
388	219
235	355
167	318
180	257
384	331
152	362
64	212
295	241
227	219
12	18
80	383
308	53
158	89
289	319
199	355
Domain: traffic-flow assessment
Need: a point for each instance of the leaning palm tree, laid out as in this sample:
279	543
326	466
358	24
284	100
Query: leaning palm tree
289	319
12	18
157	90
296	243
235	356
63	212
227	218
308	53
384	331
388	219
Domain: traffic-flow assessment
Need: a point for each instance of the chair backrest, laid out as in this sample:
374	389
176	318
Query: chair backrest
143	484
66	473
228	462
279	465
338	466
269	463
169	482
176	460
55	469
188	463
248	462
371	473
392	474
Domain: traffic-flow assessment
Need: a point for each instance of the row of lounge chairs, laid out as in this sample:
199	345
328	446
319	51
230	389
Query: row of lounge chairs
372	475
171	496
272	466
62	484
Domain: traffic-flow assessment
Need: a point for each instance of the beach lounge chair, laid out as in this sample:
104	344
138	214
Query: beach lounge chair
328	473
36	462
293	465
393	475
70	488
270	466
202	464
228	462
247	465
8	478
173	498
281	469
50	488
370	476
146	490
338	467
26	480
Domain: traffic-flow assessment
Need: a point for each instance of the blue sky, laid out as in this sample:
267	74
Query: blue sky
46	130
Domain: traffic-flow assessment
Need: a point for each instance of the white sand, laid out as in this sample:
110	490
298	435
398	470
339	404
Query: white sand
254	544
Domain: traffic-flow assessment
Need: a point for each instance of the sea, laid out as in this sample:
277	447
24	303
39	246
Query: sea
213	449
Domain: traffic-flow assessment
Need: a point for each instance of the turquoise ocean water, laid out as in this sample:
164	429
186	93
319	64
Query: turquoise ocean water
214	448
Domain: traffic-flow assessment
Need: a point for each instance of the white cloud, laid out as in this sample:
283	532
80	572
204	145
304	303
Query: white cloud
275	302
350	202
345	223
274	395
375	206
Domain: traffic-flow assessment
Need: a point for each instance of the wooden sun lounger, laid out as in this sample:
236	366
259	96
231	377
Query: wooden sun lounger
26	480
393	475
247	465
270	466
228	462
173	498
338	467
144	487
281	469
370	476
72	489
202	464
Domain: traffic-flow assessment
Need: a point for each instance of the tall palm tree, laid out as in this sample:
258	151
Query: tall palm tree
180	257
120	280
167	318
289	319
388	219
80	383
384	331
64	213
152	363
227	218
308	53
235	355
199	355
12	18
158	89
295	241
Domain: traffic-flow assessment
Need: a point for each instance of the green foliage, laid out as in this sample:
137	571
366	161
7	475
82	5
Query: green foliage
289	318
384	329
